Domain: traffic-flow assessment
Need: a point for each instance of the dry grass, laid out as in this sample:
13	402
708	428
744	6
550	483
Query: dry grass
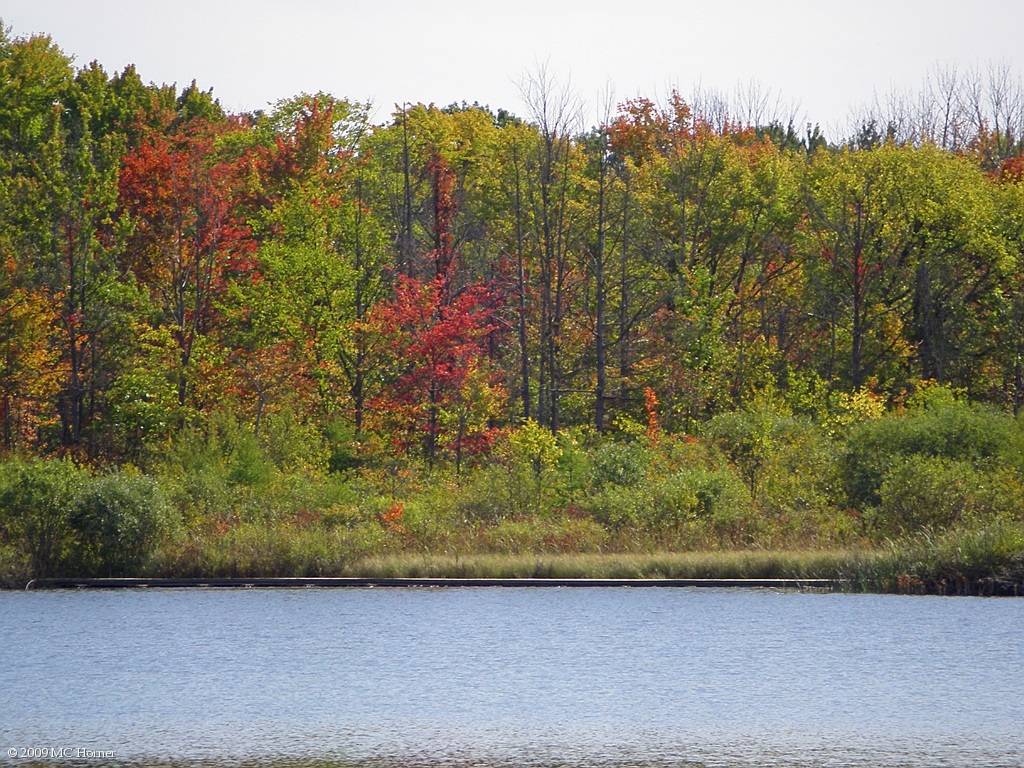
665	565
989	561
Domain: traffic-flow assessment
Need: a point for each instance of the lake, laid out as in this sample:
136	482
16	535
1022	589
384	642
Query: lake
511	676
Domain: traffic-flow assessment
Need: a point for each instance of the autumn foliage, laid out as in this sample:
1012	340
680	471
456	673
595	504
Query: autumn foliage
419	288
295	340
440	392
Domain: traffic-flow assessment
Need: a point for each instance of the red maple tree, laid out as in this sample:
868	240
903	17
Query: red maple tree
440	391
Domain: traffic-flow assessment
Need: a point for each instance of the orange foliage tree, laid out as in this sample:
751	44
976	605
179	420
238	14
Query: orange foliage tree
29	373
180	191
439	390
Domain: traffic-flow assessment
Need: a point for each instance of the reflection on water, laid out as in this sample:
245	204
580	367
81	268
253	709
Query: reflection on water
514	677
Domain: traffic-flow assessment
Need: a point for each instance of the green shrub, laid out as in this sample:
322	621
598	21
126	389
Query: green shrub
292	444
36	500
341	446
723	501
118	520
248	465
800	477
527	477
974	434
491	494
1015	451
15	568
747	438
621	464
531	460
572	468
223	449
218	472
433	517
769	449
618	507
933	492
693	496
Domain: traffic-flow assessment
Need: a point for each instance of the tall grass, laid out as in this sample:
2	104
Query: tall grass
655	565
986	562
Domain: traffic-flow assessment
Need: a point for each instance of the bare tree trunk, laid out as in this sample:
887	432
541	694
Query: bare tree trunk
599	288
406	237
524	359
624	328
555	111
357	389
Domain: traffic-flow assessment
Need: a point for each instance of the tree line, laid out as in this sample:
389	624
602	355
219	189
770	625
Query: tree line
417	287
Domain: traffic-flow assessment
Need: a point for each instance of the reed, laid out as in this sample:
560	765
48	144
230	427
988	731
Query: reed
987	561
652	565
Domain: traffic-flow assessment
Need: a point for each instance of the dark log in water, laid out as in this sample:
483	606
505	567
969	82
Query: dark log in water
113	583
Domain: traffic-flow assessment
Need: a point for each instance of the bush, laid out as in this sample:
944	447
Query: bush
747	438
219	472
248	465
619	508
15	569
525	479
979	436
693	497
621	464
36	499
800	479
341	446
770	450
932	492
118	520
292	444
488	496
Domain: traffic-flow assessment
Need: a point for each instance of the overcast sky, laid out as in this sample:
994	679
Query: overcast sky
823	57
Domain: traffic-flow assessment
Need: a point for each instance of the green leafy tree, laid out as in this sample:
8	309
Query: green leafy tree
60	191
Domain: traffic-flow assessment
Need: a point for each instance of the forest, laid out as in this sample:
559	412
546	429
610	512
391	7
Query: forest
693	339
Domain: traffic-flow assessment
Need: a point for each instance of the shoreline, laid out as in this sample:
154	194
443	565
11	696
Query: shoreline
429	582
917	568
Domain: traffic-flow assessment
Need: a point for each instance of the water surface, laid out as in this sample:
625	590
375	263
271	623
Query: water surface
515	676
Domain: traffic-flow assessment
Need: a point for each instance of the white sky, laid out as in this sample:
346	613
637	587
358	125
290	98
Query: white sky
825	57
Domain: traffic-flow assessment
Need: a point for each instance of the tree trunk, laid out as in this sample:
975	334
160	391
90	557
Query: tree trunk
599	288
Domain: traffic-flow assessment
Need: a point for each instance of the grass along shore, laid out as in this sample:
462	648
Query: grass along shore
988	563
979	563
